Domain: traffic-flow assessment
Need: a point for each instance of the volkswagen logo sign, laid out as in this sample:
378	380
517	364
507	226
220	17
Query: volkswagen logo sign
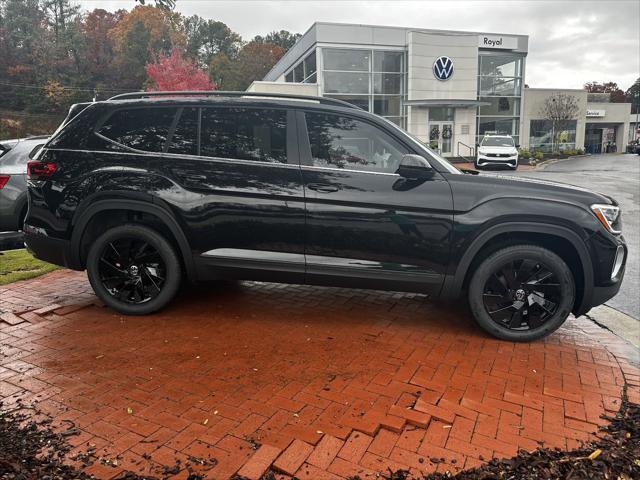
443	68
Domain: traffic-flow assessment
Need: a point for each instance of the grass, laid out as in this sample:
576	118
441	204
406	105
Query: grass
19	265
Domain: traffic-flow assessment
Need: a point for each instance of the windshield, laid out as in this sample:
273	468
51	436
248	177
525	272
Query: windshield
497	142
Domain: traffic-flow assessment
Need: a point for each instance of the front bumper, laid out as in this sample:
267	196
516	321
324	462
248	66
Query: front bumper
483	161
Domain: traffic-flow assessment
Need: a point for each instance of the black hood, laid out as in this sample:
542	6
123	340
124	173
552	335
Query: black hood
474	188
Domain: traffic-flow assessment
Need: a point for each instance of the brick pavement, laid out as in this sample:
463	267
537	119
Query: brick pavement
306	381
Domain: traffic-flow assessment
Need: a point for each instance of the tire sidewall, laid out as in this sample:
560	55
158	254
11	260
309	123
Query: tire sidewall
501	257
164	248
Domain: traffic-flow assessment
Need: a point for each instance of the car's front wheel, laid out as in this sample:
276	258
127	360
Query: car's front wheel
133	269
521	293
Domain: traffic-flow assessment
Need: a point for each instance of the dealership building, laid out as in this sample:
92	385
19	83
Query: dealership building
445	87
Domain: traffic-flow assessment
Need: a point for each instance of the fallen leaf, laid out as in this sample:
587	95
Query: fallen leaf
129	410
595	454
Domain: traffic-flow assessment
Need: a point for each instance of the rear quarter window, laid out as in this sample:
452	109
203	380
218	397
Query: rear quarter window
143	129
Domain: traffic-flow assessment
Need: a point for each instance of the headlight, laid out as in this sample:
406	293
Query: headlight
608	216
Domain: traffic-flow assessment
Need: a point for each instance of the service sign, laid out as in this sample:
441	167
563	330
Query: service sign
596	113
498	41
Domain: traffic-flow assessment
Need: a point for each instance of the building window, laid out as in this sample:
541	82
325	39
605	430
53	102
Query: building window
441	114
304	71
371	79
500	85
541	135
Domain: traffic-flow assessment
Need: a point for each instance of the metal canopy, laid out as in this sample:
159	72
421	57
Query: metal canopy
441	102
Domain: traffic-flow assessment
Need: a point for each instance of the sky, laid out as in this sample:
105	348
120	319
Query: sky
571	42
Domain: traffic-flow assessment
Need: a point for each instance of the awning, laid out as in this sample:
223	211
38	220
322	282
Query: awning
442	102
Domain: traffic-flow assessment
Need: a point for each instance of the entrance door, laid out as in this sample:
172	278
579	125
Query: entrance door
441	129
445	137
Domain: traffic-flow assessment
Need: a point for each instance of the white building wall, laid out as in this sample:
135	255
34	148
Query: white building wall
425	48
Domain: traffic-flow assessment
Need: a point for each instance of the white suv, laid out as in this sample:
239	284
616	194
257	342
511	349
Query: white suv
497	150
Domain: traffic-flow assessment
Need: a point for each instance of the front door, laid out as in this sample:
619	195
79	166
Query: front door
365	225
442	132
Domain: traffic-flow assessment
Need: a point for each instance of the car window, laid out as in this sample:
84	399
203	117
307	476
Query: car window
185	137
244	134
343	142
140	128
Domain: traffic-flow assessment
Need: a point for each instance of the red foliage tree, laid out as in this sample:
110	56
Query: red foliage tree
174	72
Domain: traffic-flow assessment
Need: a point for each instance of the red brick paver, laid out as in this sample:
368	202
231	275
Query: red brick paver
307	382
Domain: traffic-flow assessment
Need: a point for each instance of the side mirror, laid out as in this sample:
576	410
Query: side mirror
477	144
414	167
517	146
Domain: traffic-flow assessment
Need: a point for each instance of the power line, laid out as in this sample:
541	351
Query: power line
83	89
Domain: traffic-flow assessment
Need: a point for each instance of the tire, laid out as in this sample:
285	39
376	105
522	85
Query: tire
111	261
490	290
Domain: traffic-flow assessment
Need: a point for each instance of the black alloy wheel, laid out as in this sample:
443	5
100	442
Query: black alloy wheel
521	293
133	269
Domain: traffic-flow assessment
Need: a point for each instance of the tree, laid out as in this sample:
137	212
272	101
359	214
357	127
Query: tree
174	72
254	61
632	95
206	38
98	45
616	95
284	39
560	109
143	30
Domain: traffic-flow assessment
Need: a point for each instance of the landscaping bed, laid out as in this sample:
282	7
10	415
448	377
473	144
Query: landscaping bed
31	450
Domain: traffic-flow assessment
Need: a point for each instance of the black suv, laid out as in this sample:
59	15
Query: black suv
145	188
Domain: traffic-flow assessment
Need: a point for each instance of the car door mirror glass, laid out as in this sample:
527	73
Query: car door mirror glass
414	167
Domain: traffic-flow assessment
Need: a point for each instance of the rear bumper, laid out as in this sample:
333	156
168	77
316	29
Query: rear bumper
48	249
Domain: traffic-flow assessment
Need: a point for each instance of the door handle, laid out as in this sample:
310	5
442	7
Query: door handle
323	187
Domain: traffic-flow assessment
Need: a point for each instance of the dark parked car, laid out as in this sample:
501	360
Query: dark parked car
145	188
14	155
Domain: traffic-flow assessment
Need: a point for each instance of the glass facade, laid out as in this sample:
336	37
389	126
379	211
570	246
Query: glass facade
541	135
500	85
303	71
372	79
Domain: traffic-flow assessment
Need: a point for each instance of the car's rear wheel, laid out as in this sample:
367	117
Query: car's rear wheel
522	293
133	269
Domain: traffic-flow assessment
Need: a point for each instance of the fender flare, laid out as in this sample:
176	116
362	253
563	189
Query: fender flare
453	283
135	206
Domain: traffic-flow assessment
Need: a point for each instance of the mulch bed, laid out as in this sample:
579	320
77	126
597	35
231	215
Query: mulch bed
31	450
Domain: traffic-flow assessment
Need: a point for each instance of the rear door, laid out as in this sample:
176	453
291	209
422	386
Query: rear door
367	226
239	190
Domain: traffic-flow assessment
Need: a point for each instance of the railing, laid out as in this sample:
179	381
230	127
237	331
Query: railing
472	152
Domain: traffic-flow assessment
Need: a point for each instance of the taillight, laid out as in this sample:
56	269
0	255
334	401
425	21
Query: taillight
36	169
3	180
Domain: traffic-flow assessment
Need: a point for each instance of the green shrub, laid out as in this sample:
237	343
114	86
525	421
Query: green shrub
524	153
433	144
538	155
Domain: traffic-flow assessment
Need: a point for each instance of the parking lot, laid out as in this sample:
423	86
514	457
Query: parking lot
244	378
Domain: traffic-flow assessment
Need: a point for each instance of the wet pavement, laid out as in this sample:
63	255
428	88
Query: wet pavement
305	381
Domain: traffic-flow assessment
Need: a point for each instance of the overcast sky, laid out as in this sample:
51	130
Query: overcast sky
570	42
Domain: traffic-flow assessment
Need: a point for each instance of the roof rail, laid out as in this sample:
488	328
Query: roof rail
219	93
